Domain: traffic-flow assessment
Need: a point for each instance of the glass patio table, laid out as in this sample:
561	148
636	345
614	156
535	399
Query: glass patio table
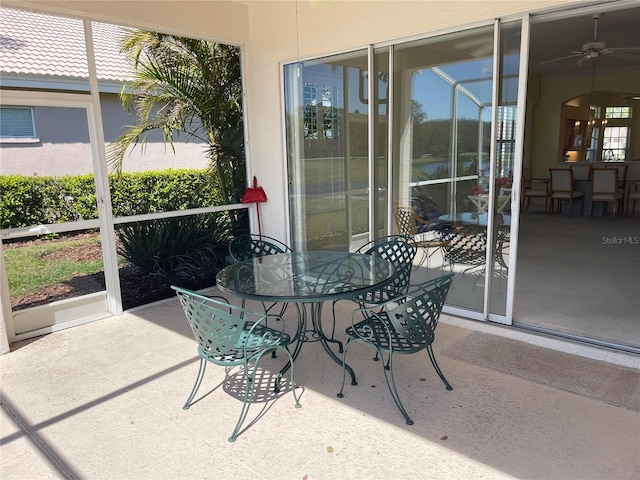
307	279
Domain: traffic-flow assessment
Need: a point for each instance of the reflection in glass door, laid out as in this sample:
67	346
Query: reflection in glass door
328	152
442	148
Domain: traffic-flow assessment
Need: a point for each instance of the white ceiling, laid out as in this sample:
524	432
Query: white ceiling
558	38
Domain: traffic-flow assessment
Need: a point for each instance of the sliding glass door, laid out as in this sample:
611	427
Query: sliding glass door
441	149
328	163
439	138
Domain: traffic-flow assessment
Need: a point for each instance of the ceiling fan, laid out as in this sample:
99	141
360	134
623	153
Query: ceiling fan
596	48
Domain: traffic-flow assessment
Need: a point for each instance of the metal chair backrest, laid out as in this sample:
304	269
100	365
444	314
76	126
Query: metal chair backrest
249	246
213	323
415	317
229	335
402	325
399	250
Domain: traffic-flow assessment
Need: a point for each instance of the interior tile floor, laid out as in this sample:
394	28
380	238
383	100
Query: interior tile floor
584	272
104	401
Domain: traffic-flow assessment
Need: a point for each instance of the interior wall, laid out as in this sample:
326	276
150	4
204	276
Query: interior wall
547	113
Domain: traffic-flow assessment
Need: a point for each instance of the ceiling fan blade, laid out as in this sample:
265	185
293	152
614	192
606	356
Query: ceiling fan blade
573	55
624	49
623	56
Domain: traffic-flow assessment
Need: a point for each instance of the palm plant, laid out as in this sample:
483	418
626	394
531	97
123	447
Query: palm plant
187	86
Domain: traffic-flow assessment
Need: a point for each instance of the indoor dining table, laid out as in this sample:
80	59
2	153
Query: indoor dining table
307	279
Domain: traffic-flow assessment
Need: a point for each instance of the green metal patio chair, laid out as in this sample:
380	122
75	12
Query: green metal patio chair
245	247
399	250
228	335
404	325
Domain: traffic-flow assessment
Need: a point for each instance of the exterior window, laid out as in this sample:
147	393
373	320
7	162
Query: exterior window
617	112
319	109
615	138
17	122
614	144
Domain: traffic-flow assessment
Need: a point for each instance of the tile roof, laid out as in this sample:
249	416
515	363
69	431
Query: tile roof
46	45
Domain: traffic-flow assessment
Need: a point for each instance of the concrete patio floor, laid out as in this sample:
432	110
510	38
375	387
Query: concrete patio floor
104	401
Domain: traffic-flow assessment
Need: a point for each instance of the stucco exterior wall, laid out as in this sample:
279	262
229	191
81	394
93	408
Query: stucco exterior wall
64	149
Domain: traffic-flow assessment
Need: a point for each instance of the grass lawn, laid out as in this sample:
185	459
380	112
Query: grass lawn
36	264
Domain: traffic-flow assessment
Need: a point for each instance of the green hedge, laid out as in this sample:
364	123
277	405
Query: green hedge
34	200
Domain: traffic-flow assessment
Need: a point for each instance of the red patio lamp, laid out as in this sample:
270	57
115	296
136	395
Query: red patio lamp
255	195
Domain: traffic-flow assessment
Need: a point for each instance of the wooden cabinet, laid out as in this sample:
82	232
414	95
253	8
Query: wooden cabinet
575	134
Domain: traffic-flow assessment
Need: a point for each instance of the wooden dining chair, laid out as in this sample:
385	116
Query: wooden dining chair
581	171
632	195
622	176
533	188
604	188
561	189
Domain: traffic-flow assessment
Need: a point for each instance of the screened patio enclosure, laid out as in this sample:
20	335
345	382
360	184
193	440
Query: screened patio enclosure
415	124
76	236
432	137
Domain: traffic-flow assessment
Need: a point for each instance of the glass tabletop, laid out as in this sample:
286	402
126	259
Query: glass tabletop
305	276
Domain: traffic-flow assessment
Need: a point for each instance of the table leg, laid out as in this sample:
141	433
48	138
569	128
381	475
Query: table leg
316	318
315	334
298	339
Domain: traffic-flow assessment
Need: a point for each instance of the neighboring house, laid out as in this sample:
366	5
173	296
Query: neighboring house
44	52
